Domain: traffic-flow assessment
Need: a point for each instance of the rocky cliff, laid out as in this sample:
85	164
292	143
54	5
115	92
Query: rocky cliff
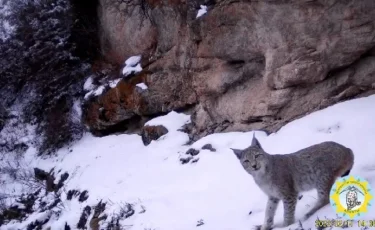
242	65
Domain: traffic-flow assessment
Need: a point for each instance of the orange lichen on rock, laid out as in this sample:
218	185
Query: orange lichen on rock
117	104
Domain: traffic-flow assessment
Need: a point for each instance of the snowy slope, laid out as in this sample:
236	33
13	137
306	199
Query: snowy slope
215	190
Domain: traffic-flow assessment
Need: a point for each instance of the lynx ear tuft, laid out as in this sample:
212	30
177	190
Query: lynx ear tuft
255	142
238	153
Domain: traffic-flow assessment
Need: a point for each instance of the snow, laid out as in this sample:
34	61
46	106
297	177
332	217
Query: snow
215	190
19	205
98	91
6	29
132	65
129	69
114	83
87	95
34	216
142	86
88	85
202	11
76	113
133	60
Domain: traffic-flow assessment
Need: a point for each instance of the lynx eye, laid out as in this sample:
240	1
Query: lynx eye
256	156
246	163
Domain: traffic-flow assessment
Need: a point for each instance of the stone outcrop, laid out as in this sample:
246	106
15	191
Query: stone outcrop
150	133
242	65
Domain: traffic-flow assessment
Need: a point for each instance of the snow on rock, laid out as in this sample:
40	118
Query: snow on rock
172	121
142	86
87	95
214	190
132	65
114	83
202	11
129	69
98	91
88	85
133	60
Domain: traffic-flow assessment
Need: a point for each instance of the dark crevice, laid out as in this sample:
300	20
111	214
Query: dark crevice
85	29
236	63
120	127
334	71
134	124
368	53
186	108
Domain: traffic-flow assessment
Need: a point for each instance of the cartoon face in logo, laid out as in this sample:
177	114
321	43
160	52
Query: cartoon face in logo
351	197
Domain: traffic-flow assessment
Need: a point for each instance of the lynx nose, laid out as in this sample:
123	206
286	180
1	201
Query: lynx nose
254	166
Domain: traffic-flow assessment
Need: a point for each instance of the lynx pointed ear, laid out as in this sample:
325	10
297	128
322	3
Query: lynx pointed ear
238	153
255	142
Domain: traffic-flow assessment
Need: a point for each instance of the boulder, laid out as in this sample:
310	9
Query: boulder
150	133
209	147
192	152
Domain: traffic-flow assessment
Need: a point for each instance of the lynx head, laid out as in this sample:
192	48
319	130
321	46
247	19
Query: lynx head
253	158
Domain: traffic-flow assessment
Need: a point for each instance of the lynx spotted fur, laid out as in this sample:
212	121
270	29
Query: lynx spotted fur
283	177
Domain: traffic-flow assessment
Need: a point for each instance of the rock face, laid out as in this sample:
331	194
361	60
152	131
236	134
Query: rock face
242	65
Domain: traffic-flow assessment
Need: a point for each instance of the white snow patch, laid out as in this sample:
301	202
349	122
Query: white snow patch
76	111
133	60
99	90
202	11
19	205
142	86
132	65
114	83
172	121
40	216
87	95
128	69
88	85
6	29
216	189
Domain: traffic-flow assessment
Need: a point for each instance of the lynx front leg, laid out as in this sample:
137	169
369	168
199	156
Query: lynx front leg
323	200
289	210
271	207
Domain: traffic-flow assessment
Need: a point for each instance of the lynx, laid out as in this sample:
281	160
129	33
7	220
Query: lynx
283	177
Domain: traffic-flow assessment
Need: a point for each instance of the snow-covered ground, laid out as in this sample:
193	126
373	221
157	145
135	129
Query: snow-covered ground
215	190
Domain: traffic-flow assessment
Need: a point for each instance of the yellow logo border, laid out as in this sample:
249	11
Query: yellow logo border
335	196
